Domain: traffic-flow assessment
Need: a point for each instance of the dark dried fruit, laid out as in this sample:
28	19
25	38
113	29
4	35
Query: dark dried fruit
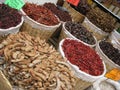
101	19
80	32
110	51
9	17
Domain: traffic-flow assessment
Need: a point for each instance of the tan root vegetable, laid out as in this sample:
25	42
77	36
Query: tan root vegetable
33	64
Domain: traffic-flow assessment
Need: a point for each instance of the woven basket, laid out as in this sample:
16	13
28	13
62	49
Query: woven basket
97	32
43	34
76	16
37	29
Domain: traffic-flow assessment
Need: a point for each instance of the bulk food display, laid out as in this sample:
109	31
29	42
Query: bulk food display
86	63
10	20
44	46
62	15
9	17
110	51
80	32
77	31
83	56
40	14
101	19
39	20
31	64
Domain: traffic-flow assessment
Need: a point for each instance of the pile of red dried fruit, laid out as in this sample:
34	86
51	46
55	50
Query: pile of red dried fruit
40	14
83	56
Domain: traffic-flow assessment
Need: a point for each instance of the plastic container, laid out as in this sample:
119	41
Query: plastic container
38	29
11	29
109	63
85	78
66	34
97	32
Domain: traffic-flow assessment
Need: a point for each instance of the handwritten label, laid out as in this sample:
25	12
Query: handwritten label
73	2
17	4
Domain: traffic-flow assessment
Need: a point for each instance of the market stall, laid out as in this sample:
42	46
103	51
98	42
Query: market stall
59	45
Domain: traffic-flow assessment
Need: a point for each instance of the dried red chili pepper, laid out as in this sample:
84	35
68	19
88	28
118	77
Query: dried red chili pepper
63	15
40	14
83	56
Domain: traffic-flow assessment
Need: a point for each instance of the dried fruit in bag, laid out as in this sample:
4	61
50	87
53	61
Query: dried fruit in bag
80	32
63	15
40	14
83	56
9	17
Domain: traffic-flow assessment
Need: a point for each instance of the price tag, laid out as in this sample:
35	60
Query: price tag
73	2
17	4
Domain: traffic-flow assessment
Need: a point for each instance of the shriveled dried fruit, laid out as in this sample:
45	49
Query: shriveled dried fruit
80	32
34	65
63	15
40	14
101	19
110	51
9	17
